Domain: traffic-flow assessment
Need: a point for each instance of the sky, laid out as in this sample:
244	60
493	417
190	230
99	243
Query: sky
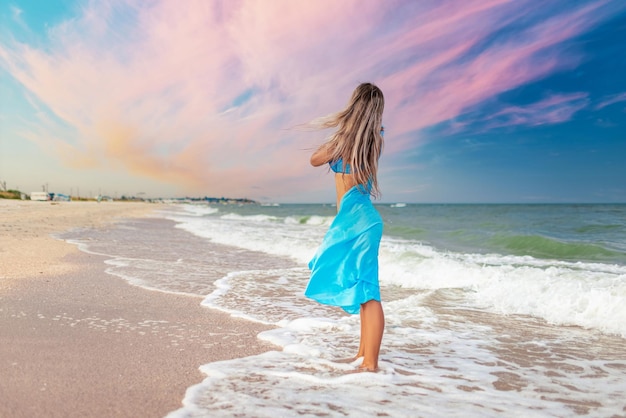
486	101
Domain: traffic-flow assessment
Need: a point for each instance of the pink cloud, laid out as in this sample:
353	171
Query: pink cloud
611	100
449	89
153	88
554	109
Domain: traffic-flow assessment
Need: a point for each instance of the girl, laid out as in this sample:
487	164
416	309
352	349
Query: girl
344	271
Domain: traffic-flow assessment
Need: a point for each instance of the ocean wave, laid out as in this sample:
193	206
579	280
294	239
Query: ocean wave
309	220
544	247
253	218
561	282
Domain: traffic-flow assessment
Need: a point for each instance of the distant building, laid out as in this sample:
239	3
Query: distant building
39	196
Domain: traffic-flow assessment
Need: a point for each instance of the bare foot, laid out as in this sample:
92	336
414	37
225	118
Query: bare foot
362	369
347	360
368	369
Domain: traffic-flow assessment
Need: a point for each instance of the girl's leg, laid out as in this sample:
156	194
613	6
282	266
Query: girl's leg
372	327
361	351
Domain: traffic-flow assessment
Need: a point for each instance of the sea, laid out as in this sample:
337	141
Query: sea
492	310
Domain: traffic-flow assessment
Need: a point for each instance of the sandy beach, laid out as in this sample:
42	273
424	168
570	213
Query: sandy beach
77	342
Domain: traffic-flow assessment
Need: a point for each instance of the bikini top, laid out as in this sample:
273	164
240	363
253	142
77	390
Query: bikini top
339	167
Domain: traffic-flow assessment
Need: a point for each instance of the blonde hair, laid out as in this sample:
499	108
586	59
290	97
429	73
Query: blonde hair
358	140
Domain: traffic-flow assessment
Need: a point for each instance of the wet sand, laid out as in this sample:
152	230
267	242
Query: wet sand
76	341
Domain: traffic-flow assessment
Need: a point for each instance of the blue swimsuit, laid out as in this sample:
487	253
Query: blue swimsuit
339	167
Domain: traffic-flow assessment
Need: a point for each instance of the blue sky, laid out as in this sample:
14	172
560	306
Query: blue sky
486	101
580	159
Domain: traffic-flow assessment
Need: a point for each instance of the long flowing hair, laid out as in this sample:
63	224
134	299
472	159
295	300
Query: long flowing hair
358	141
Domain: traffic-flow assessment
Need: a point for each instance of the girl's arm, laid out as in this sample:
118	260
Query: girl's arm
321	156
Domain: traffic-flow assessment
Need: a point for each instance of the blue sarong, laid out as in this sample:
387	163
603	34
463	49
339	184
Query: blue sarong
344	271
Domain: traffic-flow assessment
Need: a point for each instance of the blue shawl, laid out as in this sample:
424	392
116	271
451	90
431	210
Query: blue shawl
344	271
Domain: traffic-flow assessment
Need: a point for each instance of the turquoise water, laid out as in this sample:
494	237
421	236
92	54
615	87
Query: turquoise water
561	232
569	232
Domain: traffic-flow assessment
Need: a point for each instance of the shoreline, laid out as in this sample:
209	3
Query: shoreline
80	342
27	249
